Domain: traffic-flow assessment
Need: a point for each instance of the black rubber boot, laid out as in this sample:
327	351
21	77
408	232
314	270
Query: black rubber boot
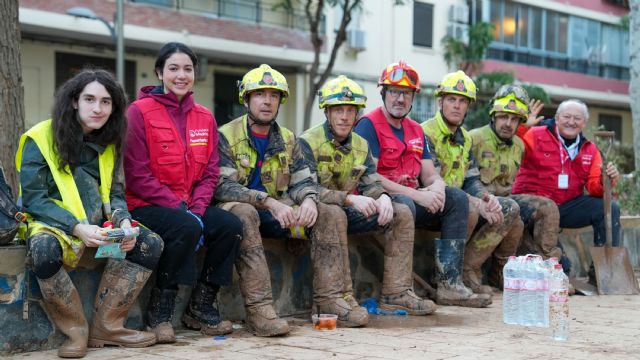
202	313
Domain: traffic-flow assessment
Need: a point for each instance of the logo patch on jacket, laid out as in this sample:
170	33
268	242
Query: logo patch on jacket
199	137
416	145
587	159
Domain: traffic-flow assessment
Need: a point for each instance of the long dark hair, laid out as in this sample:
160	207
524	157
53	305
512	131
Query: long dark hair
67	130
169	49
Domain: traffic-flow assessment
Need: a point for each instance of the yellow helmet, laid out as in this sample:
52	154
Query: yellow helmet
341	91
511	99
457	83
263	77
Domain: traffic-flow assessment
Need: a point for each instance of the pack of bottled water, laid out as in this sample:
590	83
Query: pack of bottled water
526	290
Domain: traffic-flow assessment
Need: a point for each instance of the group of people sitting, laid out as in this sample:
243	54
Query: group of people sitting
161	164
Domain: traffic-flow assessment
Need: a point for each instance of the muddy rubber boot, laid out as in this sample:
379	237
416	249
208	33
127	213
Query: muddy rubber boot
262	320
397	279
63	305
119	288
202	312
451	289
160	309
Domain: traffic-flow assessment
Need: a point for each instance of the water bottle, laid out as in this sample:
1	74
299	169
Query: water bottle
542	293
511	294
528	309
559	304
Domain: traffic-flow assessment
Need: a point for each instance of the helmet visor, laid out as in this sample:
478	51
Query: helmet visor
399	74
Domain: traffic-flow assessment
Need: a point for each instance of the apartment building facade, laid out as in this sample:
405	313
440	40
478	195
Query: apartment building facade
572	48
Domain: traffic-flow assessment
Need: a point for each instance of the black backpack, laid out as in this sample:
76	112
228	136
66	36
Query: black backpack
10	214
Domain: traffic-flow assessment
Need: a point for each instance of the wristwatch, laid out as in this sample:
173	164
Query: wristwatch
313	197
261	197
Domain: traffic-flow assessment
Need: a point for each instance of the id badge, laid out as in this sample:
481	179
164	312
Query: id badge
563	181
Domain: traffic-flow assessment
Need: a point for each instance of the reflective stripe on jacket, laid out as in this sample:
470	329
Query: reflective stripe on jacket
274	173
176	164
452	153
42	136
498	161
337	170
541	167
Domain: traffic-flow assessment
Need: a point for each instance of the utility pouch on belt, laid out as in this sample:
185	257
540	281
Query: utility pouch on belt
10	214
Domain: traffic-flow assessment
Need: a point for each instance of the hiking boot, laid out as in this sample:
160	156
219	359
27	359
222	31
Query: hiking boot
160	313
407	301
119	288
263	321
347	316
62	302
202	313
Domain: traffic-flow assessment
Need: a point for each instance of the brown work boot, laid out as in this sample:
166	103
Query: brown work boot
407	301
473	280
62	302
451	289
119	288
347	316
160	313
263	321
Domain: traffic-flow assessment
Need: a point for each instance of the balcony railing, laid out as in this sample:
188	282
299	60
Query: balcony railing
261	12
552	61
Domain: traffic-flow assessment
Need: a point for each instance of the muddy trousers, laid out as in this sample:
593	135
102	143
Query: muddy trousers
181	233
501	240
541	219
397	239
46	254
452	221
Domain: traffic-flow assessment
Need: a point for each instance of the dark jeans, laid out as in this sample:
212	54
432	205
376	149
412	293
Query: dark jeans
46	254
181	232
451	222
587	210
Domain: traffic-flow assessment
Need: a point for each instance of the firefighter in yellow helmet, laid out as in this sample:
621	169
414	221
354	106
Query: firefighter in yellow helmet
262	178
499	154
343	164
490	217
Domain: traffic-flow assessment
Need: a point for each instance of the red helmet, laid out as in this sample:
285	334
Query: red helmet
400	74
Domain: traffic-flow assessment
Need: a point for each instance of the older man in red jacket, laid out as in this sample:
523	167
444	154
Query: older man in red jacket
559	163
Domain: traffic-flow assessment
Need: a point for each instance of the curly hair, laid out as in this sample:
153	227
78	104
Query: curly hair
67	130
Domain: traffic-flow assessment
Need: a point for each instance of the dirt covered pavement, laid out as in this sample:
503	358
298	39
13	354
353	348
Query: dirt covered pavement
601	327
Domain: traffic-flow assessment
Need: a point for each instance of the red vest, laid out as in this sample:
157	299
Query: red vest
399	162
539	171
169	162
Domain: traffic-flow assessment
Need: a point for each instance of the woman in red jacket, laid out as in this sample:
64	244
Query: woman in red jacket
171	170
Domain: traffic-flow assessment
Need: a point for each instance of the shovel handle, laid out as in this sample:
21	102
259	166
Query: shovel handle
606	184
604	134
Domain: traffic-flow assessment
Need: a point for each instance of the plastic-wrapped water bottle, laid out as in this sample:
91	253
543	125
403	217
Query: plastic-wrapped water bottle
542	292
528	308
559	304
511	294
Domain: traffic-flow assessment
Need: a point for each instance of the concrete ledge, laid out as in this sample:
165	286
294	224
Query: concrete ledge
291	279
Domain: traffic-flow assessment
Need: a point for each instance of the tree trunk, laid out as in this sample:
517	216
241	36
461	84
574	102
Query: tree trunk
634	83
11	91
